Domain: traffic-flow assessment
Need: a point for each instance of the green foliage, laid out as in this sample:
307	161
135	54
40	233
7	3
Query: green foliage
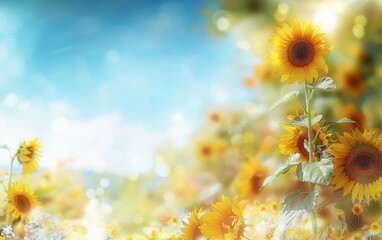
295	207
320	172
326	84
287	97
292	161
302	120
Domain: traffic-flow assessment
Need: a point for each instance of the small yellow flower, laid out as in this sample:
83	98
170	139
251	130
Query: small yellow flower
209	149
357	209
365	228
375	228
249	82
341	216
262	208
21	201
112	232
274	206
28	154
215	117
356	236
80	229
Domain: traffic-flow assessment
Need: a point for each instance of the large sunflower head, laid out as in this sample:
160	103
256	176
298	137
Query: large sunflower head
191	230
28	154
225	221
293	141
358	164
21	200
251	178
298	52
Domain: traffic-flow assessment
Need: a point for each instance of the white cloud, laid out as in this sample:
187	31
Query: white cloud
103	143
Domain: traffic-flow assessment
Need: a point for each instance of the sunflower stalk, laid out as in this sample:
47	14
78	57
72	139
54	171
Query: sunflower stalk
11	170
308	98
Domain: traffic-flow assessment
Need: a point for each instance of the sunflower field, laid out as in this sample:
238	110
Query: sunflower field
208	119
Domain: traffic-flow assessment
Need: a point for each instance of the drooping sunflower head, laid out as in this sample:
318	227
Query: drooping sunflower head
251	178
293	141
298	52
358	164
225	221
21	201
191	228
28	153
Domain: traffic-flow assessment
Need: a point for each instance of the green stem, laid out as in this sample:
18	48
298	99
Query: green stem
11	171
308	99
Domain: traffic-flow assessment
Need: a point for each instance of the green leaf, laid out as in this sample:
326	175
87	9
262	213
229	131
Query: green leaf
292	161
306	145
287	97
299	121
294	208
315	120
345	120
302	120
320	172
326	83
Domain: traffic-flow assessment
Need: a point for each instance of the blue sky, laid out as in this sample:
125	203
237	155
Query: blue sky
142	61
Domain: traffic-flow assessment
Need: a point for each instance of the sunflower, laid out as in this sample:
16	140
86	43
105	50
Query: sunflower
249	82
358	164
191	230
350	80
225	221
28	154
21	200
293	141
209	149
357	209
251	178
356	236
215	117
264	72
352	112
375	228
298	52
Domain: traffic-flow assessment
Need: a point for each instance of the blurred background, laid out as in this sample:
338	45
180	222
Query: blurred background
148	108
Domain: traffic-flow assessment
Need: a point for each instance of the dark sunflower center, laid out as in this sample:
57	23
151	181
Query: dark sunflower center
364	164
206	151
256	181
22	203
353	80
197	233
215	117
300	53
30	155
